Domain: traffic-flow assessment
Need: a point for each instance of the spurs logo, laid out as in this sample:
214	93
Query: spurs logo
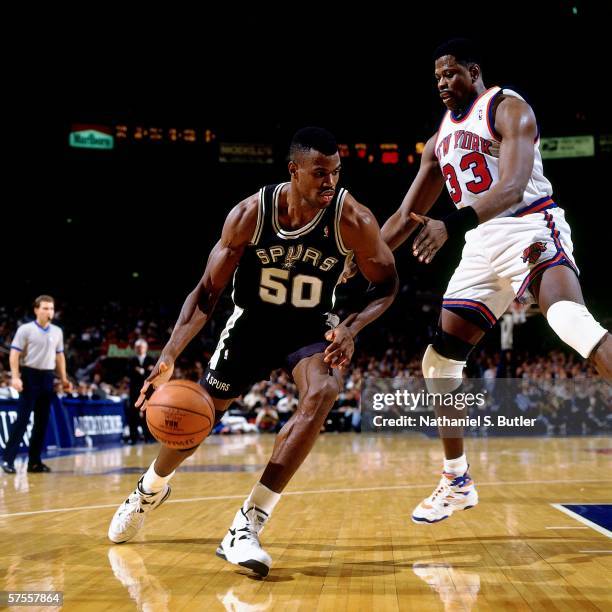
532	253
294	253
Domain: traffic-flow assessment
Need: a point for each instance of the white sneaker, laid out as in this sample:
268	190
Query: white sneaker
241	542
452	493
130	515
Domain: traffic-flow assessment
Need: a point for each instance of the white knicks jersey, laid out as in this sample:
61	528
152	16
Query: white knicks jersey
468	152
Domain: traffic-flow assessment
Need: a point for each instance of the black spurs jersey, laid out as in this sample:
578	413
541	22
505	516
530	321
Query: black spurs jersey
290	276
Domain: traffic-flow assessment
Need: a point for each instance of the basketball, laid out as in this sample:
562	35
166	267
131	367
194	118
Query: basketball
180	414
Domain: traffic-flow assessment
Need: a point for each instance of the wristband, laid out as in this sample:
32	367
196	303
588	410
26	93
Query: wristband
461	221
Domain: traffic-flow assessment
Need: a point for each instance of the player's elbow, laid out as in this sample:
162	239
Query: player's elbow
386	287
514	192
518	194
391	285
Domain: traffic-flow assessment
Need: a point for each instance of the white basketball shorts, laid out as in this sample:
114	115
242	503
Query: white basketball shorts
502	257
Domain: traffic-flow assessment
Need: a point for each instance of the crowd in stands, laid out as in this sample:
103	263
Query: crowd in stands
97	342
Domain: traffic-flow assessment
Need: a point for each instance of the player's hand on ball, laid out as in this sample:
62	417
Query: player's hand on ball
161	373
339	353
430	239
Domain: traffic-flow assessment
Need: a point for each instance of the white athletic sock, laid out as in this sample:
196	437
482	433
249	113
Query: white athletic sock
457	466
153	482
263	498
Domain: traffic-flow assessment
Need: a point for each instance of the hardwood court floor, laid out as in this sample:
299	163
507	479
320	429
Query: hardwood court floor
341	538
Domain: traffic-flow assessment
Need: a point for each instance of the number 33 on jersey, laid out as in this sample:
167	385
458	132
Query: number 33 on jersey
467	149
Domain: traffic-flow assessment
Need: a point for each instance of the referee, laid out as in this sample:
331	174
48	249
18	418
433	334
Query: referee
40	345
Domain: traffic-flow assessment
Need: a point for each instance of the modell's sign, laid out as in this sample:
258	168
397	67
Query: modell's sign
245	153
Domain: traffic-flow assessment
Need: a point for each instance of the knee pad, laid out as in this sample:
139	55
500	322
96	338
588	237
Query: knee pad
442	375
575	325
451	347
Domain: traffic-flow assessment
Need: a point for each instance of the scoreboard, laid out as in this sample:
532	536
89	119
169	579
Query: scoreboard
108	137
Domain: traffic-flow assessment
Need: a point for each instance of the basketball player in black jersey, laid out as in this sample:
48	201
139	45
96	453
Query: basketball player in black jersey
286	247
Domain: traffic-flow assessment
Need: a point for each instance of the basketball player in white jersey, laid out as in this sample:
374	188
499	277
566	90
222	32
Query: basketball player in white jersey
517	241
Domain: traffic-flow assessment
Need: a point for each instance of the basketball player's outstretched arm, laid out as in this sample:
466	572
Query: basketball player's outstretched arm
237	231
421	196
516	123
361	234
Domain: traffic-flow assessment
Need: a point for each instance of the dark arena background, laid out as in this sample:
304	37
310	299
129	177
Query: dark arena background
124	175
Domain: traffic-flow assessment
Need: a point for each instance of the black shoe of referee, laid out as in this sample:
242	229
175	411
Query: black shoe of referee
38	467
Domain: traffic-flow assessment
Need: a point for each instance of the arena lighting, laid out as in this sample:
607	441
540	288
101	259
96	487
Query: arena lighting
390	157
142	133
156	134
189	135
389	153
419	148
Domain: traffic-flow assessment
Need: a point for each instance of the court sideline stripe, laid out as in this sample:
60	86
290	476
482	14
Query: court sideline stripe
583	520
